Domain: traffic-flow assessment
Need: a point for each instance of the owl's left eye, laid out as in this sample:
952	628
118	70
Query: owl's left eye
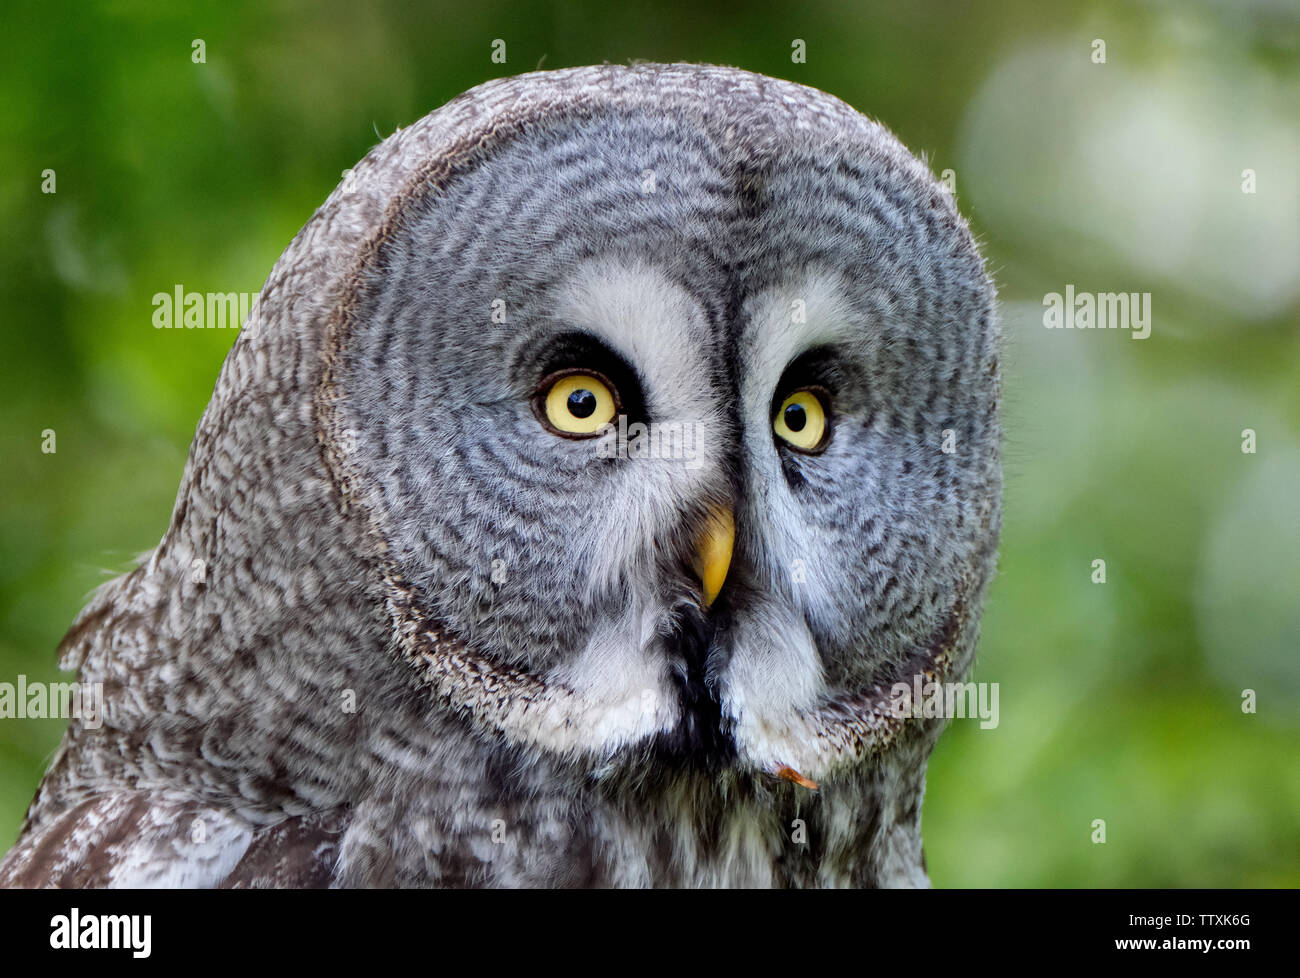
576	403
801	420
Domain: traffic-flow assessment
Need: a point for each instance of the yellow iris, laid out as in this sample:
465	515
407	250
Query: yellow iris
801	421
579	404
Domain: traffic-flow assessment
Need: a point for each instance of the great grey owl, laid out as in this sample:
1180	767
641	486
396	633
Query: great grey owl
593	464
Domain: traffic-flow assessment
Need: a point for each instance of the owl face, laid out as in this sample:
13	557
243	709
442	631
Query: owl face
681	430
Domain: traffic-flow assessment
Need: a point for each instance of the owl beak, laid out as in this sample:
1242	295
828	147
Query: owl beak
713	551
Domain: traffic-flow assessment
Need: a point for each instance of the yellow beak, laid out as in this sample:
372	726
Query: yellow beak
713	551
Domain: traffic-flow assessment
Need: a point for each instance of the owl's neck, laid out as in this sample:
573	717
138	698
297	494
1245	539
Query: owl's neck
645	829
862	830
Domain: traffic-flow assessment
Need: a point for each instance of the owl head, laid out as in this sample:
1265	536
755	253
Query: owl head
670	394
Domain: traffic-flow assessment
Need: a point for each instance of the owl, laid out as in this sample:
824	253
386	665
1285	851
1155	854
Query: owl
593	468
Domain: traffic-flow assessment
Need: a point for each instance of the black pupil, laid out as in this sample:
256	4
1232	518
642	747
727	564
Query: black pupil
795	417
582	403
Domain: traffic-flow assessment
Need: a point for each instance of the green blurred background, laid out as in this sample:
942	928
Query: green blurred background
1119	701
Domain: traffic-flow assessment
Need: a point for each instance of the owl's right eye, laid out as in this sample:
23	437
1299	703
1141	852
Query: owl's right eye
576	403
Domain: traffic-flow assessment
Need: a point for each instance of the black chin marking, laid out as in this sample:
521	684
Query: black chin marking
701	740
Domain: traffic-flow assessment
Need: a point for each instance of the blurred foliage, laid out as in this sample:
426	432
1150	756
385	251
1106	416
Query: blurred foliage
1118	701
